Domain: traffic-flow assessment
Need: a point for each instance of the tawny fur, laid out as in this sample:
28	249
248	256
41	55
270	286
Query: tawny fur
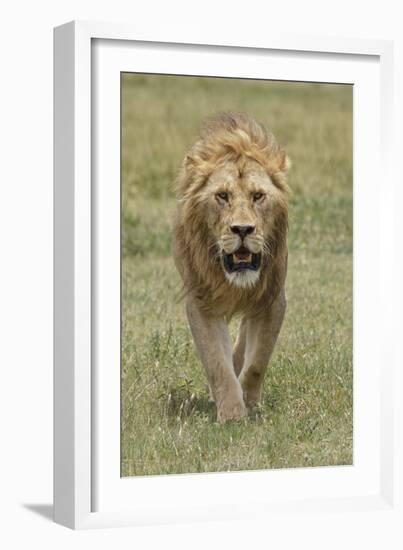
237	154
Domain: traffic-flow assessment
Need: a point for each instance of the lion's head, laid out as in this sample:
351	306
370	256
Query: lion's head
232	213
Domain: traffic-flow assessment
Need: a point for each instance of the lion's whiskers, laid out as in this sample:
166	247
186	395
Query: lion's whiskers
267	251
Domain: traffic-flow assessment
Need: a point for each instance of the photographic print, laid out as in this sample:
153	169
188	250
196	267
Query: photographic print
236	269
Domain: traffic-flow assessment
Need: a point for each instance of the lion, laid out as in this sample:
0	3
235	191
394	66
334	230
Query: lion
230	248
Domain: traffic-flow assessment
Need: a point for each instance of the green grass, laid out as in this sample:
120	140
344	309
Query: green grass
305	419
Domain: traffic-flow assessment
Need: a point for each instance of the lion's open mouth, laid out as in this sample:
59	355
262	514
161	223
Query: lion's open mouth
241	259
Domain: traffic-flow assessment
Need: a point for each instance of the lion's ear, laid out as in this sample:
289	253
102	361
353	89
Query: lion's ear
285	162
196	166
193	162
193	158
188	160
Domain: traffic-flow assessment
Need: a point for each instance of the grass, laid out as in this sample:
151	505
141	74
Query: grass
168	425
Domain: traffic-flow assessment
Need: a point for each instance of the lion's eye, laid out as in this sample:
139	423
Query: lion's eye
257	196
223	196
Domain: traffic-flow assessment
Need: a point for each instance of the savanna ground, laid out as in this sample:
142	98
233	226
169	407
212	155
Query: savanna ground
168	425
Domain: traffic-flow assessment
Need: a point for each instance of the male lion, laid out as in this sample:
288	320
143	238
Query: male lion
230	248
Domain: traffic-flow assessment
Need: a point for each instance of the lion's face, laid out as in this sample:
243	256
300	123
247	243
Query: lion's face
242	204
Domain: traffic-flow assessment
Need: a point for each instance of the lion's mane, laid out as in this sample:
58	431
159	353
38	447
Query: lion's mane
228	137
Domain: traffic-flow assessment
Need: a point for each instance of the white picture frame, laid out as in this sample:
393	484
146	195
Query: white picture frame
88	490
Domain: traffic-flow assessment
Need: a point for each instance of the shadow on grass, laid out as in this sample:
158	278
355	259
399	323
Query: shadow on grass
182	403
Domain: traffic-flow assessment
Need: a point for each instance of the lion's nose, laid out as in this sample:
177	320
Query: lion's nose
242	230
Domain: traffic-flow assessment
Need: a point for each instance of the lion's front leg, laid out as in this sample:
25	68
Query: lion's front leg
261	335
239	348
215	350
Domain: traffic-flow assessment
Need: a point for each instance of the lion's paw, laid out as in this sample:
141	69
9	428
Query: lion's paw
231	410
251	391
252	399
